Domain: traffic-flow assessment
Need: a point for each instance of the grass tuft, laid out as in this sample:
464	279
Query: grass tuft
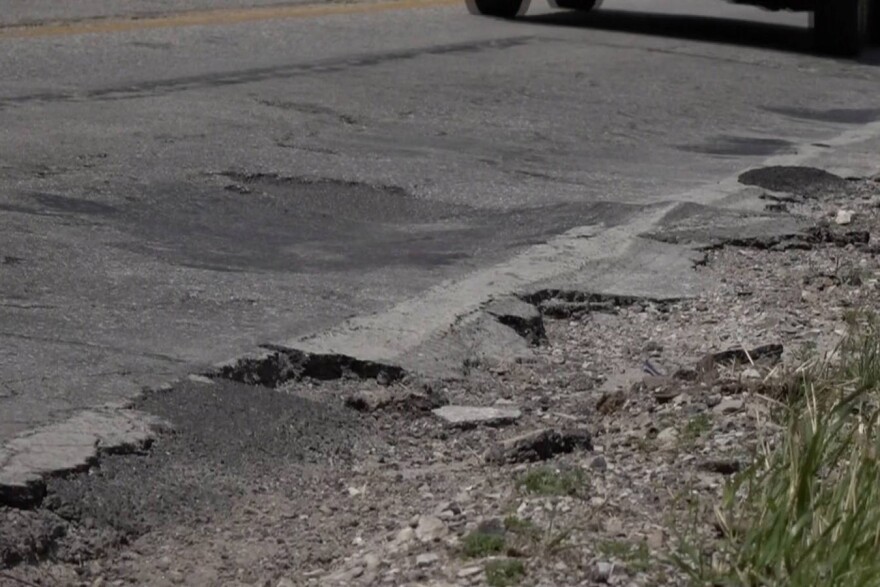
636	556
482	544
808	511
504	573
695	428
549	481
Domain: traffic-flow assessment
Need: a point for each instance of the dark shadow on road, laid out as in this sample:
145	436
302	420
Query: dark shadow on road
698	28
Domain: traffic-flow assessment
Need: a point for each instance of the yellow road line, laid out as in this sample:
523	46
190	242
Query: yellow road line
211	17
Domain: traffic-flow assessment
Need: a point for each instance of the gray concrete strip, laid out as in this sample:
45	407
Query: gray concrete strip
394	337
435	334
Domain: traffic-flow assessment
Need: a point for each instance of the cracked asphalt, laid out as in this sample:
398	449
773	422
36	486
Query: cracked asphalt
172	197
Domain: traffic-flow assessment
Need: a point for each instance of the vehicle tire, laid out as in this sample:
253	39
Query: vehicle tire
498	8
874	22
579	5
840	27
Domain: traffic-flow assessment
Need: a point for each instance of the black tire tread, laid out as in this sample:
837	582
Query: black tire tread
498	8
838	27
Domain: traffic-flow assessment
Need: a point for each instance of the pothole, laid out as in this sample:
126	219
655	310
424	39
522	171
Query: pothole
280	365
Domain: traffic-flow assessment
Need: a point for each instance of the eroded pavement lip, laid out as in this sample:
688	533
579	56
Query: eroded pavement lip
492	316
69	446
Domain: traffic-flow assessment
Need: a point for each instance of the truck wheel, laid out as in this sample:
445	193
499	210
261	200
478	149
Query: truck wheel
874	22
840	27
579	5
499	8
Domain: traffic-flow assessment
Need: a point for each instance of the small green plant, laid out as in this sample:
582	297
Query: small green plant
503	573
695	428
520	527
482	544
636	556
550	481
808	511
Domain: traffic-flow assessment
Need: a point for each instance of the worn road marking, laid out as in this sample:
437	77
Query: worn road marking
209	17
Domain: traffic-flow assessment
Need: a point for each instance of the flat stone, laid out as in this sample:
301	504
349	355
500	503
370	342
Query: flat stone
427	559
729	405
195	378
467	416
469	572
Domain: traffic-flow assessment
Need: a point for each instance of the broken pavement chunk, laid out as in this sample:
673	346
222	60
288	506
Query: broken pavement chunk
539	445
469	416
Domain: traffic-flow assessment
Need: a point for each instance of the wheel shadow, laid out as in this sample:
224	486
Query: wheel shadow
778	37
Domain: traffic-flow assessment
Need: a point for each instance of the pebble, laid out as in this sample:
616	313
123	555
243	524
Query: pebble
430	528
667	437
603	571
371	561
427	559
751	373
614	526
469	572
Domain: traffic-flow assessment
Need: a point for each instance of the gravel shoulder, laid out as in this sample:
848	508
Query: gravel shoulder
580	467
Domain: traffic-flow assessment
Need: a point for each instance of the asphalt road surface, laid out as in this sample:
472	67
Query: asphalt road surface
176	190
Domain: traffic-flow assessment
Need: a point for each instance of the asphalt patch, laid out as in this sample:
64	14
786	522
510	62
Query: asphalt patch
231	440
807	182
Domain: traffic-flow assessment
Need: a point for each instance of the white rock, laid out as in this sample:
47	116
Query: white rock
751	373
431	528
603	571
427	559
844	217
469	572
200	379
667	436
403	539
